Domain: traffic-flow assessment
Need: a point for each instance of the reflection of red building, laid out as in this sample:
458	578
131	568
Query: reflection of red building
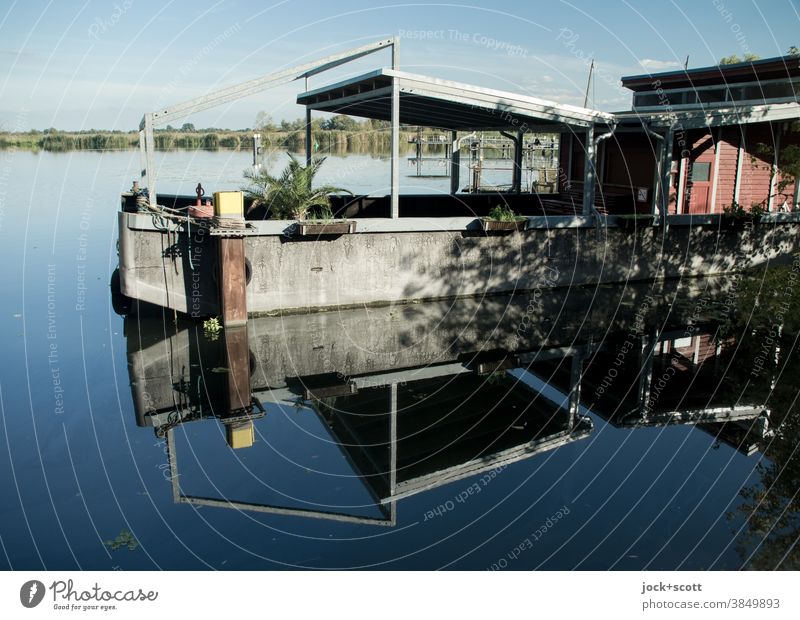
694	349
733	128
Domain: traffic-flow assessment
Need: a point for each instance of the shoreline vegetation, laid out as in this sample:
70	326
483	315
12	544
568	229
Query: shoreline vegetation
207	139
336	134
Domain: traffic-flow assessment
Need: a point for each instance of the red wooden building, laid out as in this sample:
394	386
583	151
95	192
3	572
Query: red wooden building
731	129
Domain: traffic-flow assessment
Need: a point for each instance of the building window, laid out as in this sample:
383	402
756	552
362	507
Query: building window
712	95
647	100
756	92
701	172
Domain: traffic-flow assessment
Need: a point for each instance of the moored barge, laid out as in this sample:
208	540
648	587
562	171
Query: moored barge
688	183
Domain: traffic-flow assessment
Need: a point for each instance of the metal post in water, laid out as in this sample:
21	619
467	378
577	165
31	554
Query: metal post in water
419	151
455	162
256	151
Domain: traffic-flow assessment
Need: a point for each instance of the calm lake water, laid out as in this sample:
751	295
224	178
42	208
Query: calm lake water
433	435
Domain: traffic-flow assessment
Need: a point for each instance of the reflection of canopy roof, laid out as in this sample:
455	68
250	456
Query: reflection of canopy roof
433	102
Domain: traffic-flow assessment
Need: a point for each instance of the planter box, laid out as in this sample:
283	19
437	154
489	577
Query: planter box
503	226
316	229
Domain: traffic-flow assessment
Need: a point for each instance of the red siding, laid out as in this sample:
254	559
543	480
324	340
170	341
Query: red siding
728	146
630	163
784	200
706	348
756	167
701	151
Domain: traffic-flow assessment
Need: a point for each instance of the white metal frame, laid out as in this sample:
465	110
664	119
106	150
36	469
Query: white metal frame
515	105
715	179
222	96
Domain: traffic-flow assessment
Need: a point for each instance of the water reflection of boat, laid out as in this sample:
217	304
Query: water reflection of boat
421	395
401	431
442	429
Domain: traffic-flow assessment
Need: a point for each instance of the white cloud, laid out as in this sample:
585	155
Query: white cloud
659	65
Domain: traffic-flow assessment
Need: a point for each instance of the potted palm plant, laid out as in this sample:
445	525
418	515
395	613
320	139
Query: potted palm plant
292	196
502	218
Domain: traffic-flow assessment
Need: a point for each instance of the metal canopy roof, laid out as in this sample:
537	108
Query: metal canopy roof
784	67
439	103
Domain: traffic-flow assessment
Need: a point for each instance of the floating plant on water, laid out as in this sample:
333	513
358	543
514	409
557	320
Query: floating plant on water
124	539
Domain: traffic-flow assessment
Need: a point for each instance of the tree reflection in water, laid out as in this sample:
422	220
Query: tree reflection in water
766	322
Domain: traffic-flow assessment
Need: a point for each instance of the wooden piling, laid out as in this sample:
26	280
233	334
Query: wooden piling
237	353
239	432
232	281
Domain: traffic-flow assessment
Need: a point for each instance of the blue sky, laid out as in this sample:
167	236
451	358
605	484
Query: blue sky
81	65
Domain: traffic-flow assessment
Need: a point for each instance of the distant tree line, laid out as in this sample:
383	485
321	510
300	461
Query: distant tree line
733	58
337	133
323	140
339	122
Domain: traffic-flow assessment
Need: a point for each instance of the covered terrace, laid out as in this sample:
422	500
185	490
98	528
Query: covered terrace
462	109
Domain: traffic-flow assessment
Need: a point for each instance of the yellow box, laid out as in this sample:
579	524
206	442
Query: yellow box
240	435
229	204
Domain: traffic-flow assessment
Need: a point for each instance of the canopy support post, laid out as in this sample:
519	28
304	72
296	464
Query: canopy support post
666	173
589	163
395	181
146	130
308	130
